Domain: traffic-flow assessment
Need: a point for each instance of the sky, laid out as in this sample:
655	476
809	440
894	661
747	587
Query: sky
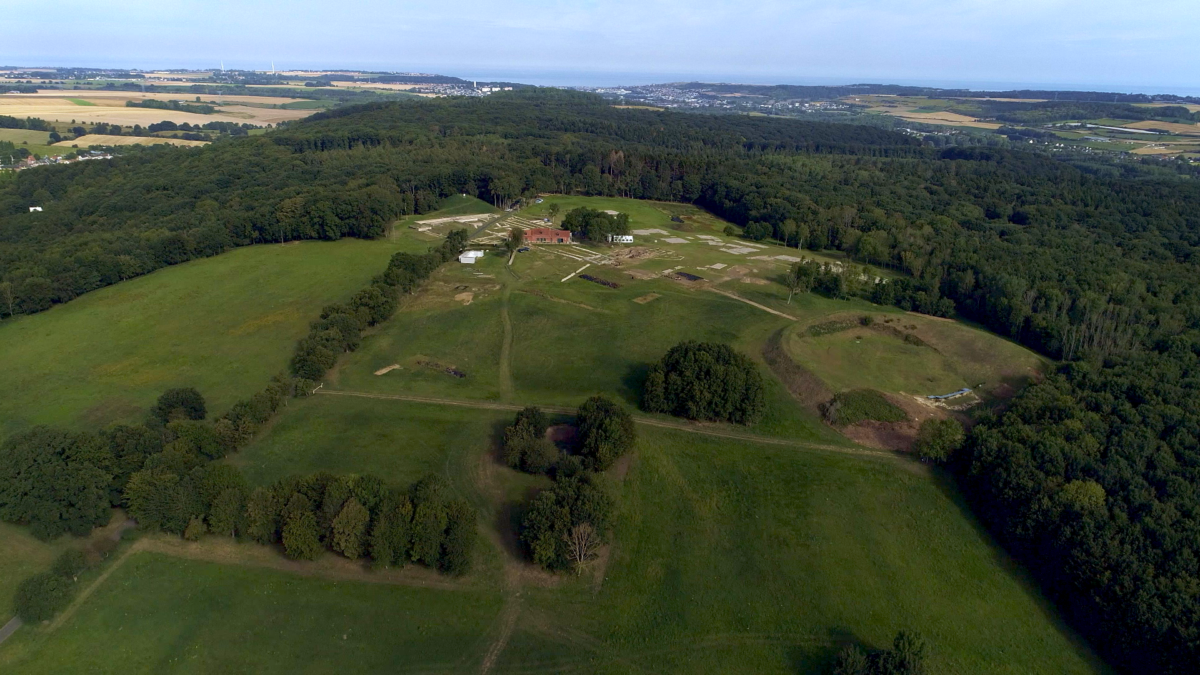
1115	45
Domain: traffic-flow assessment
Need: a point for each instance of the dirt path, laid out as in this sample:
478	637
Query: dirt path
735	296
10	628
507	622
650	422
506	383
87	592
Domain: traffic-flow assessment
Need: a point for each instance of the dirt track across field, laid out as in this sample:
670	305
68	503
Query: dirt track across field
688	427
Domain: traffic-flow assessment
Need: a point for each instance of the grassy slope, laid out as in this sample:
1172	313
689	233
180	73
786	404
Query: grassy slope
223	325
955	356
730	557
166	615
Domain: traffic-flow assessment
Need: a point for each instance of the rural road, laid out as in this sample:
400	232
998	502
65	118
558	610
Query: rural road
647	421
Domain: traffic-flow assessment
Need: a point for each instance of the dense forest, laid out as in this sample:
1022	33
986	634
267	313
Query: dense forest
1091	478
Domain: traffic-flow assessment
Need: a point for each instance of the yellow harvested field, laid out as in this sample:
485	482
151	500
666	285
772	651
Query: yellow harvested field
110	107
101	139
947	118
107	97
1163	149
383	86
1173	127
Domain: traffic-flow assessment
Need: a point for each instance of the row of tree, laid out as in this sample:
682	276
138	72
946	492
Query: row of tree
340	327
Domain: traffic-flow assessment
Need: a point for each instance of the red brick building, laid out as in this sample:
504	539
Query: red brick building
547	235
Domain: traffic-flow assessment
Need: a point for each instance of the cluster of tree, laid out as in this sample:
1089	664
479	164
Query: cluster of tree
906	657
604	432
526	447
340	327
565	525
595	225
32	123
705	381
11	152
196	108
229	128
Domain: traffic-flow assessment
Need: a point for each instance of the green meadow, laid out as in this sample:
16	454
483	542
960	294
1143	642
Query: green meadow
726	556
224	325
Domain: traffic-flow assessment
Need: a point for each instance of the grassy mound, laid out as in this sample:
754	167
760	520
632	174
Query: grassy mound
859	405
908	353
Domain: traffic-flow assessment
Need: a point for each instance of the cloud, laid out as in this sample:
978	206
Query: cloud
1001	40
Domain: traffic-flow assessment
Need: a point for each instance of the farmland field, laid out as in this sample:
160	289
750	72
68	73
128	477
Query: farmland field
92	106
20	136
106	356
103	139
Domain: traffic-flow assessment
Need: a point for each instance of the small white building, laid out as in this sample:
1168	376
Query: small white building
469	257
34	208
620	238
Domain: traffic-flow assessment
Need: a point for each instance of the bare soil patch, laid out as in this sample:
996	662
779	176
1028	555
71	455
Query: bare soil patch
633	253
387	369
649	297
465	298
755	280
642	275
898	436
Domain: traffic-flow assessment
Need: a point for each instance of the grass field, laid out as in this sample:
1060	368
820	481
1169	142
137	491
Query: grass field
29	136
109	106
223	325
167	615
729	556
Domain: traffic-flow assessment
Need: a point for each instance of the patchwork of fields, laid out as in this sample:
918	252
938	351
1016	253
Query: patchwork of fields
109	107
730	555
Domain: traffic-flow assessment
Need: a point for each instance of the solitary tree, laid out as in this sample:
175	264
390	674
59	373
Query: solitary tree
516	239
7	296
799	279
582	545
554	211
